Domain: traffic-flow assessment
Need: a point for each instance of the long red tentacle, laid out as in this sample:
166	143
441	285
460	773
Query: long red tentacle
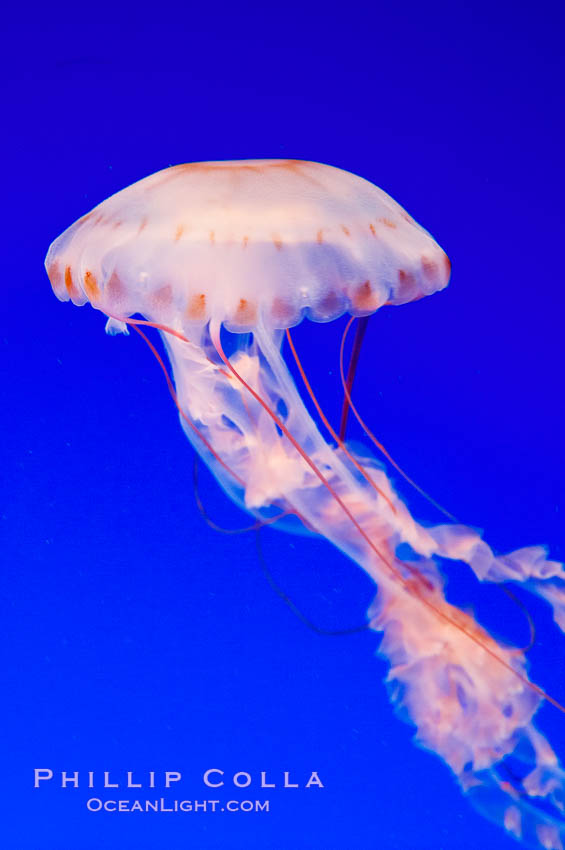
323	417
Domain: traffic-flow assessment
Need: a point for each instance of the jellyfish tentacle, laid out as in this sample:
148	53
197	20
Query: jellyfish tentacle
214	525
171	388
294	607
360	331
337	437
300	415
531	626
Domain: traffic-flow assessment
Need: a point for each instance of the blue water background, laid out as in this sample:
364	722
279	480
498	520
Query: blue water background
133	636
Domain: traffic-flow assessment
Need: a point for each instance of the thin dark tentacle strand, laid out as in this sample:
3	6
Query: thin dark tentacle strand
351	372
293	607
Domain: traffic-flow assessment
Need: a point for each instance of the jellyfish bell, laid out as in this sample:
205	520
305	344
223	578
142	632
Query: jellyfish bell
252	247
247	243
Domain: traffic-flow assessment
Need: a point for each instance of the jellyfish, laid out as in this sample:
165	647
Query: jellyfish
224	258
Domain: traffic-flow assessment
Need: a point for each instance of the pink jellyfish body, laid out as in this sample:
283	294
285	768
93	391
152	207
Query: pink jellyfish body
251	247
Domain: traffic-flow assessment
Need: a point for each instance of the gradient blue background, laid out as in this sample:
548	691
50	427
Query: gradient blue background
133	636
